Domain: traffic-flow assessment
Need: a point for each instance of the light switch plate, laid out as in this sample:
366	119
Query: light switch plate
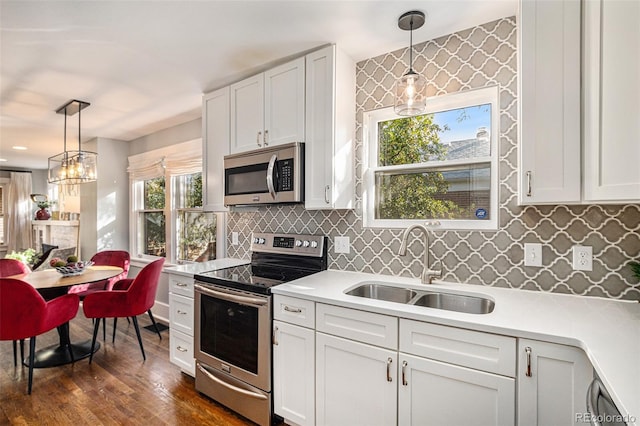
341	245
583	258
533	254
234	239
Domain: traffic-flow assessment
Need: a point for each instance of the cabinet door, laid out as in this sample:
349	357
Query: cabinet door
440	394
549	130
330	124
284	103
356	384
247	114
181	352
215	145
555	389
181	313
294	373
612	100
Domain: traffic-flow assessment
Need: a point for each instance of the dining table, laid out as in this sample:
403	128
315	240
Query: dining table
51	284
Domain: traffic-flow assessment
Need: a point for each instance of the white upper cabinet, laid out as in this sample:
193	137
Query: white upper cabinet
268	109
564	159
612	101
549	130
330	130
215	141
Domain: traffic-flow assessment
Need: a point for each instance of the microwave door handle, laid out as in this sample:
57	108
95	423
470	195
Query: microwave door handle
272	164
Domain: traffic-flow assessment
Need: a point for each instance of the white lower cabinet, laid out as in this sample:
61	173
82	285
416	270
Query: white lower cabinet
440	394
356	383
552	383
181	323
294	373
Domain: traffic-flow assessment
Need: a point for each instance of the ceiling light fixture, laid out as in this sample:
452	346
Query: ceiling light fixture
72	167
410	90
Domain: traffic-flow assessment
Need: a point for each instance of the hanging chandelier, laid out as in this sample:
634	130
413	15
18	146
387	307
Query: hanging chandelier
411	89
73	167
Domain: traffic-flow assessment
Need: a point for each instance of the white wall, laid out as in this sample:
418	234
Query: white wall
104	205
171	136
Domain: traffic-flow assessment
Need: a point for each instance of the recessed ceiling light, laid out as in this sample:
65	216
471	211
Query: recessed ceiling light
20	148
3	159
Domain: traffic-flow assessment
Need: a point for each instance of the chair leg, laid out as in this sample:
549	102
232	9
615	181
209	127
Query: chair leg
96	326
154	324
135	324
115	321
21	351
15	353
104	329
32	359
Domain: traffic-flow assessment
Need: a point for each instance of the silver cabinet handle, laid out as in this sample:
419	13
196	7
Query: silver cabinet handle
529	184
182	284
404	373
258	138
326	194
181	349
275	330
527	350
272	165
182	312
266	138
294	310
389	362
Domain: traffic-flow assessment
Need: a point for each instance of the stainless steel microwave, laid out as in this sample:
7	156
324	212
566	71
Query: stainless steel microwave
265	176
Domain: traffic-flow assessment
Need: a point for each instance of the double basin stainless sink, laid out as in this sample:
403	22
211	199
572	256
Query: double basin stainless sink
427	298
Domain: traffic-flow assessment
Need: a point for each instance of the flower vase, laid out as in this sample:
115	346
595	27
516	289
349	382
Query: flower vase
42	214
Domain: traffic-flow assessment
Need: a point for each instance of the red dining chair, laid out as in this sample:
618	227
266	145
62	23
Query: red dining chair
118	258
25	314
137	299
10	267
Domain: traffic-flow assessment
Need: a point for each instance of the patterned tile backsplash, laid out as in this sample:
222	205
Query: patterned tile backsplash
478	57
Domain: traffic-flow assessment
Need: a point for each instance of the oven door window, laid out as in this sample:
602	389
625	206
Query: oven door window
229	332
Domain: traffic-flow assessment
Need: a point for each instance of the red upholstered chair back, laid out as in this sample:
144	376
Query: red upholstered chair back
141	294
119	258
22	310
10	267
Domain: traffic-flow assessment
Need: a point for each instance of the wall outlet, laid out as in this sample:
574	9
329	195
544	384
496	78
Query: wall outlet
341	245
583	258
533	254
234	239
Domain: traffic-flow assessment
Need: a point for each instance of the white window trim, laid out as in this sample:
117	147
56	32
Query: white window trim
469	98
152	165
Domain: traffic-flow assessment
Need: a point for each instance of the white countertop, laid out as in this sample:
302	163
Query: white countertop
190	269
607	330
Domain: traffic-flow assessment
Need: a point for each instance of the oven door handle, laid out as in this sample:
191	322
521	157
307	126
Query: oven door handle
231	387
243	300
272	164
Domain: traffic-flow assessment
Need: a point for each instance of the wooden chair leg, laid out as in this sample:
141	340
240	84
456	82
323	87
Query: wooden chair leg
96	326
135	324
32	360
154	324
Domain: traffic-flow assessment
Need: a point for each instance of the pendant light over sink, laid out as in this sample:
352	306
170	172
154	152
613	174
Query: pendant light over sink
72	167
411	89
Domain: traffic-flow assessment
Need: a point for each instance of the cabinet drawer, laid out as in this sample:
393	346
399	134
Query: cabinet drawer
366	327
473	349
295	311
181	314
181	285
181	353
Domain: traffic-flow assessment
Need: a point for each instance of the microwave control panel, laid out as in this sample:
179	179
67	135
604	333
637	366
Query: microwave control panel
285	180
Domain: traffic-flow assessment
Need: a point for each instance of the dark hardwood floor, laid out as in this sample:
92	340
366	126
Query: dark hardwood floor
118	388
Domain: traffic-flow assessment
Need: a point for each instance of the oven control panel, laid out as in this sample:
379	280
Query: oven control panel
299	244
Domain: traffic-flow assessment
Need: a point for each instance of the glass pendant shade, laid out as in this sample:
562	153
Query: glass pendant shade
410	94
410	91
73	167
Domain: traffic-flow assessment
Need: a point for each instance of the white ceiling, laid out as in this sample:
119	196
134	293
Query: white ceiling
143	65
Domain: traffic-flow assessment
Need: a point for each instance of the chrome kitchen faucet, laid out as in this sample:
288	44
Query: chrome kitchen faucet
427	274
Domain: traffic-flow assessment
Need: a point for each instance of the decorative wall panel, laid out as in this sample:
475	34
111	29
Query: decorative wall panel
478	57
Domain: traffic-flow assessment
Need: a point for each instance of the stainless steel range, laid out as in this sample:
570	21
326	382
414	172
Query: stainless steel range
234	320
